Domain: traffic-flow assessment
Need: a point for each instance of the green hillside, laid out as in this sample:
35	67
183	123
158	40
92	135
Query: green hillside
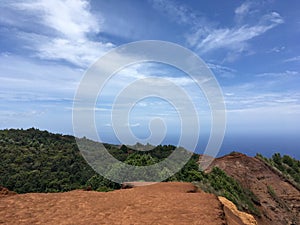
39	161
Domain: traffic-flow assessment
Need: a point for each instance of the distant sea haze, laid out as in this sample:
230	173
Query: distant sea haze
265	144
249	144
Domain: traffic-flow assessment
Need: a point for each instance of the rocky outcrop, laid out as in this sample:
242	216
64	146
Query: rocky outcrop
235	217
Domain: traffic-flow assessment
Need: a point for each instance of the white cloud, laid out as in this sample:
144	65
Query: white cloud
81	54
236	38
99	109
222	71
27	80
125	77
272	91
248	9
243	9
70	18
247	101
268	119
293	59
285	74
176	12
74	31
134	125
206	36
277	49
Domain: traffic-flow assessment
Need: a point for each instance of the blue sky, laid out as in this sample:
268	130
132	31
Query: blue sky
252	47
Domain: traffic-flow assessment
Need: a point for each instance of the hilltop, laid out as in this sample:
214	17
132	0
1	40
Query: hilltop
39	161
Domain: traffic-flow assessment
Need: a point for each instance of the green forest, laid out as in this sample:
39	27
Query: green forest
39	161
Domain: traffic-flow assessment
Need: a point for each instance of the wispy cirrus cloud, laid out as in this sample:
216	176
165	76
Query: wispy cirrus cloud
176	12
242	11
277	49
207	36
285	74
222	71
245	101
24	79
293	59
270	92
243	8
236	38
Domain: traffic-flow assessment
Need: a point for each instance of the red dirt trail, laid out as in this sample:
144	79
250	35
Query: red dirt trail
162	203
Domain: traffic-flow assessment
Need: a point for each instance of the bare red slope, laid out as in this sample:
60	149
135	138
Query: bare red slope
254	174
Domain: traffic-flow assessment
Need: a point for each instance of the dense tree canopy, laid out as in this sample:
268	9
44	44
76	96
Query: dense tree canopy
39	161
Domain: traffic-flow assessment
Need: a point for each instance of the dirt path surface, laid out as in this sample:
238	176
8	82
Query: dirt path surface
162	203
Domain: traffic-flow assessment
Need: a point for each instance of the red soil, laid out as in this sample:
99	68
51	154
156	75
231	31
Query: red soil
162	203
